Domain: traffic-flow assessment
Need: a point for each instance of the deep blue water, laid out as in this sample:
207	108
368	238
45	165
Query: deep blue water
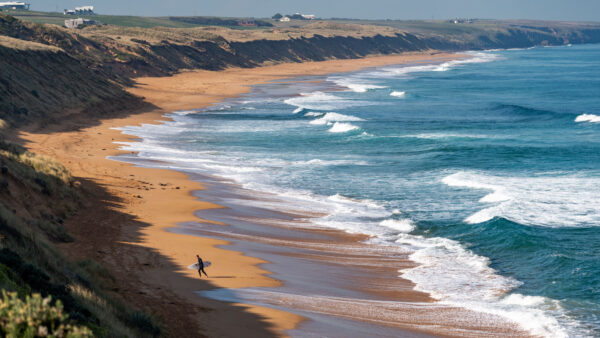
480	167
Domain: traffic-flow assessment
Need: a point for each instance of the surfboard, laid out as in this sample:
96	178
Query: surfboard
195	265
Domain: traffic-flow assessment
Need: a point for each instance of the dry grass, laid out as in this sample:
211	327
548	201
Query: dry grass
13	43
100	308
46	165
151	35
41	164
213	33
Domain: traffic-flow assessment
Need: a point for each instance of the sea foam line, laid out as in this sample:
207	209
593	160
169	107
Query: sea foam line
475	57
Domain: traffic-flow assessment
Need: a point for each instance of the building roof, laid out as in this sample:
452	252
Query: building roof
85	8
12	3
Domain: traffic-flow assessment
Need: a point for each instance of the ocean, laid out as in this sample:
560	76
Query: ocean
487	169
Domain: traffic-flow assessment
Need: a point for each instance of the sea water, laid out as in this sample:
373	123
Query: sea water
486	168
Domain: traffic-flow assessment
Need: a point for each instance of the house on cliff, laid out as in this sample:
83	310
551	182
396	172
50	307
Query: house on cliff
79	22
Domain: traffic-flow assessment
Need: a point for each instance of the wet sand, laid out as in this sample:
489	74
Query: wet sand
146	226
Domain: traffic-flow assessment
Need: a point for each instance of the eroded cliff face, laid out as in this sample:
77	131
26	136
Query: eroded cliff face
45	85
83	71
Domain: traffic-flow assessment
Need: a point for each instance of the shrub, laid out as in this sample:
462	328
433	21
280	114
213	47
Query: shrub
36	317
144	323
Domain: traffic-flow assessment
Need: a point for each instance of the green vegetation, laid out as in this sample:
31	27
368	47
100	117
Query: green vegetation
36	317
226	22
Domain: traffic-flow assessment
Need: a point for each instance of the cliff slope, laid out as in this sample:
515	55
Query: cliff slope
83	70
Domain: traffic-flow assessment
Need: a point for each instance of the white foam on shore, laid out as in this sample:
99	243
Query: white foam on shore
456	276
449	272
398	94
588	118
403	225
552	201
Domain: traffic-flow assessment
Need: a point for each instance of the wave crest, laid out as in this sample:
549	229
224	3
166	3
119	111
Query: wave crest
341	127
335	117
552	201
588	118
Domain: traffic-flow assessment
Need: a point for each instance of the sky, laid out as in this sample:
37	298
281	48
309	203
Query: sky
571	10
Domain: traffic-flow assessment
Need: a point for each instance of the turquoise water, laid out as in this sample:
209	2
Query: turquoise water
488	169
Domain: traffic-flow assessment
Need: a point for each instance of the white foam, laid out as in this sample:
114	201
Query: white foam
298	110
335	117
403	225
498	193
447	270
185	112
341	127
398	94
312	113
351	83
458	277
319	162
588	118
446	135
475	57
322	101
553	201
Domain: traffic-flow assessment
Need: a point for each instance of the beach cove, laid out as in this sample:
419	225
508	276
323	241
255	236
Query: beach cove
149	201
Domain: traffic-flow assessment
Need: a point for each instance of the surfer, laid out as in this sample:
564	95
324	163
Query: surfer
201	267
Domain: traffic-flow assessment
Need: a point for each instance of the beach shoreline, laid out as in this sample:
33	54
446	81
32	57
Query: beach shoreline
148	257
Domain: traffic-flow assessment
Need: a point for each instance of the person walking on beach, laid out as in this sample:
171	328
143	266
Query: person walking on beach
201	267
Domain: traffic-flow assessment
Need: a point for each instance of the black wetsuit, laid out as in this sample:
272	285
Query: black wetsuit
201	267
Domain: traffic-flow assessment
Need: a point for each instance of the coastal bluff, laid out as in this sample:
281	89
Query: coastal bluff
84	70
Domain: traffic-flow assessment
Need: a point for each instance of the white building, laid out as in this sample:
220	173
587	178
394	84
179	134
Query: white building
82	10
14	5
74	23
284	19
308	16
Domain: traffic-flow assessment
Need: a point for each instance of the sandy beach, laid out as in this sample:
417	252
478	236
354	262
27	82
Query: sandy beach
129	208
